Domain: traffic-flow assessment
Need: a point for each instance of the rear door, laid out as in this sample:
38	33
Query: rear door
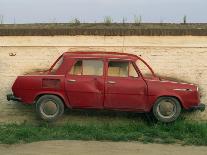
124	88
85	83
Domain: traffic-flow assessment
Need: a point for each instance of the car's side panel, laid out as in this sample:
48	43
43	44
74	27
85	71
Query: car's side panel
29	87
157	88
85	91
125	93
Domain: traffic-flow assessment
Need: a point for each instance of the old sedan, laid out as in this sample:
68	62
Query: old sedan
104	80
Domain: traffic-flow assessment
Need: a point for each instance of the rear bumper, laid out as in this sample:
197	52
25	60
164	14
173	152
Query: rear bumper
200	107
12	97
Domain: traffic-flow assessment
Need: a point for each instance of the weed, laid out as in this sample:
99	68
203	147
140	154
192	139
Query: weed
75	21
184	19
1	19
124	20
137	20
108	20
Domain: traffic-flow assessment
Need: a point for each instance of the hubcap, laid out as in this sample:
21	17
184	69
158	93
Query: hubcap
166	108
49	108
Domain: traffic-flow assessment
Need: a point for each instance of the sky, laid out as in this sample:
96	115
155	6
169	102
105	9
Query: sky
64	11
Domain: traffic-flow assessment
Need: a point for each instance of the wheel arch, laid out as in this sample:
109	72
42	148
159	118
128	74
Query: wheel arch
61	96
173	96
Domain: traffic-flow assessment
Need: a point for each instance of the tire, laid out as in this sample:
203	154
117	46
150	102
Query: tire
167	109
49	107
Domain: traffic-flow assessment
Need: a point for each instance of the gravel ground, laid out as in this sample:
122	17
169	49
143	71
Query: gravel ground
63	147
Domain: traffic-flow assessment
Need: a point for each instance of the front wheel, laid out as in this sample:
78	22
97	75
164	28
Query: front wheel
49	107
166	109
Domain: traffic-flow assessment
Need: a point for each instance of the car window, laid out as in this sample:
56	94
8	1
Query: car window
77	68
121	69
57	65
87	67
132	71
144	69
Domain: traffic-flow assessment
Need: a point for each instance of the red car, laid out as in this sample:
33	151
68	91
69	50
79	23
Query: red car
104	80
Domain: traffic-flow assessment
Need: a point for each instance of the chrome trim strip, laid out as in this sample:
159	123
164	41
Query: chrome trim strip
178	82
154	80
114	58
178	89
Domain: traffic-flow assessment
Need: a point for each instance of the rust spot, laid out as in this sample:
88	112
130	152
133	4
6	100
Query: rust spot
51	83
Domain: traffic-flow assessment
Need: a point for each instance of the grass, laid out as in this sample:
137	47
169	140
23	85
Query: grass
125	128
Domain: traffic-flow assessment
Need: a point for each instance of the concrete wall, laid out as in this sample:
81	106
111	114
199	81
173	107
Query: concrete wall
183	58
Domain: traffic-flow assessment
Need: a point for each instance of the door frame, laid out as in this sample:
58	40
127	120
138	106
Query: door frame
140	77
67	76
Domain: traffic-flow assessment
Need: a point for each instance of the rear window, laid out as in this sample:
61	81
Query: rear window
57	65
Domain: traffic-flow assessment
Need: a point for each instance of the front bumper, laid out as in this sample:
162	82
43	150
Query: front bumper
12	97
200	107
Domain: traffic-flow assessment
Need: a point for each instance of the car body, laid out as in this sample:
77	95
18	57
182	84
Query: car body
104	80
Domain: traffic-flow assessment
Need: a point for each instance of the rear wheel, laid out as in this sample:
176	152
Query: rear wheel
49	107
166	109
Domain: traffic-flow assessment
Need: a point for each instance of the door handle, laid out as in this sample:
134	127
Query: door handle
111	82
71	80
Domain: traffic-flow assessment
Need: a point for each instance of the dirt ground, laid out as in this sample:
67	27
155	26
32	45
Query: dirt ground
62	147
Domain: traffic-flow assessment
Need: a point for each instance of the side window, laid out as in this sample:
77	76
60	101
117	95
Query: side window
92	67
77	68
132	71
87	67
121	69
57	65
144	69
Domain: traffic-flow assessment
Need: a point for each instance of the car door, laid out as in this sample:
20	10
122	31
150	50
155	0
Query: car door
124	88
85	83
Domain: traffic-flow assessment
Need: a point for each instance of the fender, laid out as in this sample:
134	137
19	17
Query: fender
61	95
152	99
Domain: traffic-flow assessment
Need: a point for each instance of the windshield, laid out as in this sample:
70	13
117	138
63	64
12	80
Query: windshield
56	65
145	69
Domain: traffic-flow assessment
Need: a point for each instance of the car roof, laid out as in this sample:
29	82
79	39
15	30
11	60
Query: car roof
107	55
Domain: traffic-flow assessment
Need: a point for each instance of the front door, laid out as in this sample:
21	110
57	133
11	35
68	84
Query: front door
124	88
85	84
